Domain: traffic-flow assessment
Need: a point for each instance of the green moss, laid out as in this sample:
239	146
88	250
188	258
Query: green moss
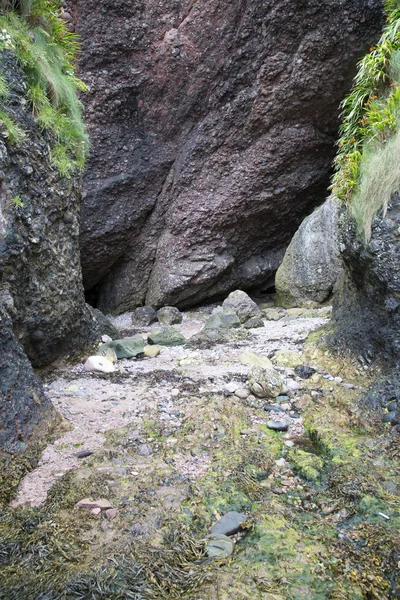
306	465
46	52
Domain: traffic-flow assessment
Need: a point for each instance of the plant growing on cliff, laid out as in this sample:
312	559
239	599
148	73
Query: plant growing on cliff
370	118
46	52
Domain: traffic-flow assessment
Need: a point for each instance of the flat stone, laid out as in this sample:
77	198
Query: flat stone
99	364
102	503
95	511
168	336
393	405
272	408
129	347
255	360
219	546
83	453
229	524
277	425
292	385
111	513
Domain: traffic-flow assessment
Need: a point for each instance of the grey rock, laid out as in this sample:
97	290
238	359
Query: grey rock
312	263
168	336
272	408
229	523
169	315
144	315
391	417
83	453
266	383
129	347
222	321
304	372
242	305
145	450
253	323
194	188
393	405
272	314
277	425
219	545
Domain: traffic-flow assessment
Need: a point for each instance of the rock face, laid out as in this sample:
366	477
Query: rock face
39	246
23	406
366	307
212	127
312	263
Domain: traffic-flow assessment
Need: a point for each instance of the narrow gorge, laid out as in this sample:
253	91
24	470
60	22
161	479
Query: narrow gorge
199	300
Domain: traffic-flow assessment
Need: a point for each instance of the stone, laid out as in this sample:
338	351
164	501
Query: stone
304	372
391	417
253	323
393	405
108	353
287	358
101	503
83	453
219	545
266	382
169	315
277	425
292	385
272	408
255	360
242	305
168	336
99	364
218	188
272	314
129	347
145	450
229	524
242	393
231	387
152	351
312	264
222	320
144	316
111	513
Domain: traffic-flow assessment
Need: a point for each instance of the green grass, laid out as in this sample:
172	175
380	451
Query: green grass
46	52
370	118
14	133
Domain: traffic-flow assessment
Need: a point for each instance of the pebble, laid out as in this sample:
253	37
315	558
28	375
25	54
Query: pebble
83	453
99	364
231	387
111	513
219	546
278	425
145	450
102	503
292	385
242	393
272	408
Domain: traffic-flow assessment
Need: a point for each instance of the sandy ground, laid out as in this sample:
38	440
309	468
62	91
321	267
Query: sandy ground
95	403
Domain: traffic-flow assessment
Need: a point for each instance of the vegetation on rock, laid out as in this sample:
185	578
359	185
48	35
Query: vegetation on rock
46	53
369	135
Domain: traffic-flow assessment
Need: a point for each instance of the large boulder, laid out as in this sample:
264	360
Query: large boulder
213	127
312	264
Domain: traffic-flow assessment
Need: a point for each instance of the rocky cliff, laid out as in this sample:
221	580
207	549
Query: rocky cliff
212	127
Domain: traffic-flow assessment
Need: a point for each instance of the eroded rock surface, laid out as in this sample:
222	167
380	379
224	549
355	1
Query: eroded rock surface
212	127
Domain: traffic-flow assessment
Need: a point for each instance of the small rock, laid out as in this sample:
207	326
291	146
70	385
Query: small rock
169	315
304	372
272	314
144	315
277	425
219	546
295	312
83	453
95	511
393	405
145	450
168	336
291	385
175	392
349	386
152	351
105	339
266	383
111	513
231	387
287	358
129	347
242	393
222	321
242	305
272	408
253	323
102	503
229	524
99	364
391	417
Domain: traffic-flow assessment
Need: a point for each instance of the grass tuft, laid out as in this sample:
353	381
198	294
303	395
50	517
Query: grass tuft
46	52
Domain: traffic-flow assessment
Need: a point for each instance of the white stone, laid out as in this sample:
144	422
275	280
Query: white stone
99	364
